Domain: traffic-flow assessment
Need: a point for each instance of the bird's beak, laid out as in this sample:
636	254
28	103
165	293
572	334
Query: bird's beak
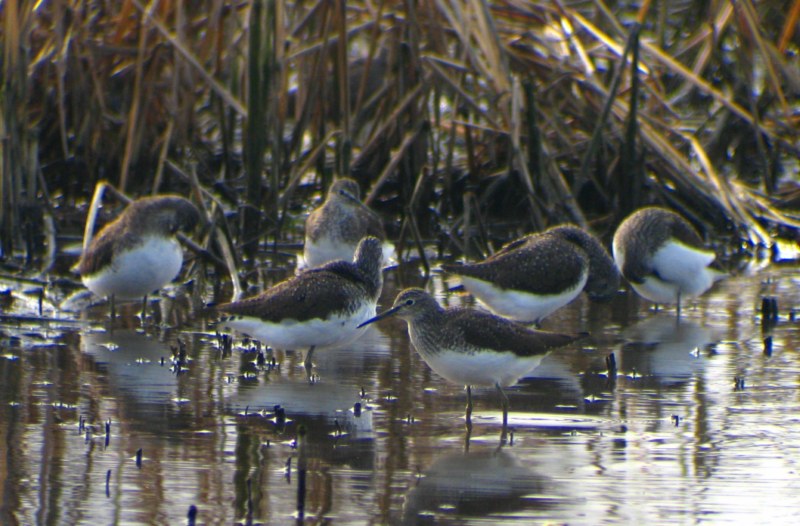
351	197
384	314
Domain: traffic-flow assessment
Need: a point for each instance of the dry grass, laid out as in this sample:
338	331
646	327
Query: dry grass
459	118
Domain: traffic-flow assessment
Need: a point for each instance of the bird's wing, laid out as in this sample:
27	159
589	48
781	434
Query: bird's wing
316	293
492	332
544	265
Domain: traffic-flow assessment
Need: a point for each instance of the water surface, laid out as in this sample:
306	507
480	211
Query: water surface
701	424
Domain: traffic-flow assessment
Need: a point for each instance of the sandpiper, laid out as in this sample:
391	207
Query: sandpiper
535	275
334	230
471	347
663	256
138	253
320	307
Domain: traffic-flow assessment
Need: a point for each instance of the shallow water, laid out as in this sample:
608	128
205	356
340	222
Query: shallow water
700	425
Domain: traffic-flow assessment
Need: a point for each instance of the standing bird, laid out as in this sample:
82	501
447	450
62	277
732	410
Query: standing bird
535	275
471	347
334	230
138	253
320	307
663	256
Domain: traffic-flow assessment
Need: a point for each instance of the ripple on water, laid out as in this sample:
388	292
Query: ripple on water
672	439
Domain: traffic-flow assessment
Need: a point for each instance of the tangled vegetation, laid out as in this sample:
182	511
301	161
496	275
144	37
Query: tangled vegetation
463	120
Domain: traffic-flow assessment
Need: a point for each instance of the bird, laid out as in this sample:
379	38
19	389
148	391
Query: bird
138	252
535	275
333	231
663	257
472	347
319	307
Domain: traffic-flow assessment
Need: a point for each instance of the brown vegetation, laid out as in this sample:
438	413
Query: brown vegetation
457	117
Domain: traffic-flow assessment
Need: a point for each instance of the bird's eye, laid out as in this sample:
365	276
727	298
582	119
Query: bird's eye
409	302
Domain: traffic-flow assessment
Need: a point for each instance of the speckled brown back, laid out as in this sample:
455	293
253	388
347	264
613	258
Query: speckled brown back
539	264
483	330
337	287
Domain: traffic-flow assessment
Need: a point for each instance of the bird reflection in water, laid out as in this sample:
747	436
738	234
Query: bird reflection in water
474	484
665	347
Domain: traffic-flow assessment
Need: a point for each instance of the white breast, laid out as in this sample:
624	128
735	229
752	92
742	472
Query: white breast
327	249
316	254
138	271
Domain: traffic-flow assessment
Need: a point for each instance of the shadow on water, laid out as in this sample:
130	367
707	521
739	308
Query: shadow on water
696	425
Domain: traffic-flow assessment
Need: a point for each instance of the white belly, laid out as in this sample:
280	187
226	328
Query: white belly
482	369
138	271
517	305
290	334
682	270
325	250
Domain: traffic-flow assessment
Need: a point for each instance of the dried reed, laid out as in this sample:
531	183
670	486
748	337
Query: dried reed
538	112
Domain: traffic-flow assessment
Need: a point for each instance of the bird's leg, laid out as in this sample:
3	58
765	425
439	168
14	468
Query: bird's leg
307	363
504	401
143	315
679	304
469	408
